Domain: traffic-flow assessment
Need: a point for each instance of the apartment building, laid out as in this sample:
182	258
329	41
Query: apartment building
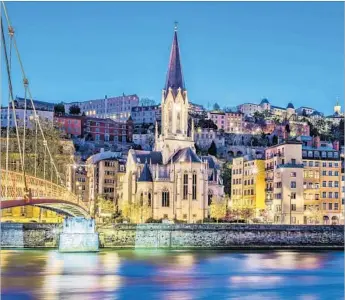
248	183
284	183
322	181
146	114
116	108
203	138
77	181
102	171
230	122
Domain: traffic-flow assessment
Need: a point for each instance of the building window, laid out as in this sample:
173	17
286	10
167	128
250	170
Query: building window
336	206
149	200
310	163
185	186
293	220
324	195
293	195
194	187
293	174
330	183
330	195
209	198
293	207
330	173
324	183
330	206
165	198
293	184
324	206
336	195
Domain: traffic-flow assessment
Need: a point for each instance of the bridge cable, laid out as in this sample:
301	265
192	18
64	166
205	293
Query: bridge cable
11	94
29	92
8	123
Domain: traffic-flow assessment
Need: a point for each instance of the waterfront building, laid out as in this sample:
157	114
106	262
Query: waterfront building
322	180
172	181
29	214
230	122
77	181
248	183
284	182
45	117
102	171
116	108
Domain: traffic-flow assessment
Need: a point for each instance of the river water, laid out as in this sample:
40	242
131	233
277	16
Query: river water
156	274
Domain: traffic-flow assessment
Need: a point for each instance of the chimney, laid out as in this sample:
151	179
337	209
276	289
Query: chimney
336	145
316	142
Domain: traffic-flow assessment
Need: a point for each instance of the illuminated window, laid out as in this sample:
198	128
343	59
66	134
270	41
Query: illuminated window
165	198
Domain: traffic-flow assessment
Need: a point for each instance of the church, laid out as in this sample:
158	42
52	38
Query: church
172	181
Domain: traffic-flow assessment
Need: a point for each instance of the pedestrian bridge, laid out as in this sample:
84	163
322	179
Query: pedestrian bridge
15	191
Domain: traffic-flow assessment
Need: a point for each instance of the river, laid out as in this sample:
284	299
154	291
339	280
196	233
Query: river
158	274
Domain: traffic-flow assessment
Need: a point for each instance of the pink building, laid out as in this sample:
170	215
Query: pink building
230	122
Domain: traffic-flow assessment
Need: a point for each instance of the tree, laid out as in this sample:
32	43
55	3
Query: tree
59	109
197	149
304	113
254	142
218	209
314	215
207	123
213	149
136	212
216	106
226	175
275	140
74	109
246	212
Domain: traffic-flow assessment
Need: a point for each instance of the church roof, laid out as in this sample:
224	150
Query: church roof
290	105
145	174
174	78
185	155
154	157
212	164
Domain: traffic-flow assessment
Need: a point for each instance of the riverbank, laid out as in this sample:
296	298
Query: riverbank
184	236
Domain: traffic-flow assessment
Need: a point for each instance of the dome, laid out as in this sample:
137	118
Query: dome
290	105
264	101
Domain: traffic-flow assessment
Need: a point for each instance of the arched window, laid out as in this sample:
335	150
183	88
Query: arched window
185	186
194	187
141	198
210	196
165	198
149	200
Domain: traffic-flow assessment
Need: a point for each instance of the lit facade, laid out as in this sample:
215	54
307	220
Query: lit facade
230	122
248	183
172	182
116	108
284	183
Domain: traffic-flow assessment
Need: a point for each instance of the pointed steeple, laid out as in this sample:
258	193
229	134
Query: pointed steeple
174	78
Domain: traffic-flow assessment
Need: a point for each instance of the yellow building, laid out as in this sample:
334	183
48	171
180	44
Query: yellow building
248	183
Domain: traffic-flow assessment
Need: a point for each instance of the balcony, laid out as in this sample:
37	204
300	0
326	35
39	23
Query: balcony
269	190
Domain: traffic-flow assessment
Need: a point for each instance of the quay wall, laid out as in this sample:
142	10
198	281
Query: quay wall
179	236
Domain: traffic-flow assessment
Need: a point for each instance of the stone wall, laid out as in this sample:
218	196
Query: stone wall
32	235
29	235
220	236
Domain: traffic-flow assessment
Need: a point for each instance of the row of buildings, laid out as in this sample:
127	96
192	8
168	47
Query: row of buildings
297	182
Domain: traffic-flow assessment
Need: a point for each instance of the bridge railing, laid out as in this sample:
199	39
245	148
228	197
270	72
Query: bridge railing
13	187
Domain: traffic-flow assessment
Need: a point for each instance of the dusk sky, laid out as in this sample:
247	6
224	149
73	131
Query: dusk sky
231	52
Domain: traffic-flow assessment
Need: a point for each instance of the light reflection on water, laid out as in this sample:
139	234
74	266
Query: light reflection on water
157	274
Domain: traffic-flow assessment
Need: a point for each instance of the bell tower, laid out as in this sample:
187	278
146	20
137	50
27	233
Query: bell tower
174	126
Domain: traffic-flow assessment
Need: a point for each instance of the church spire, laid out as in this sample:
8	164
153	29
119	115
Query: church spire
174	78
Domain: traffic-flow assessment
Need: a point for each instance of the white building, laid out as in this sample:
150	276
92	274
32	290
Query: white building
44	116
116	108
204	137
